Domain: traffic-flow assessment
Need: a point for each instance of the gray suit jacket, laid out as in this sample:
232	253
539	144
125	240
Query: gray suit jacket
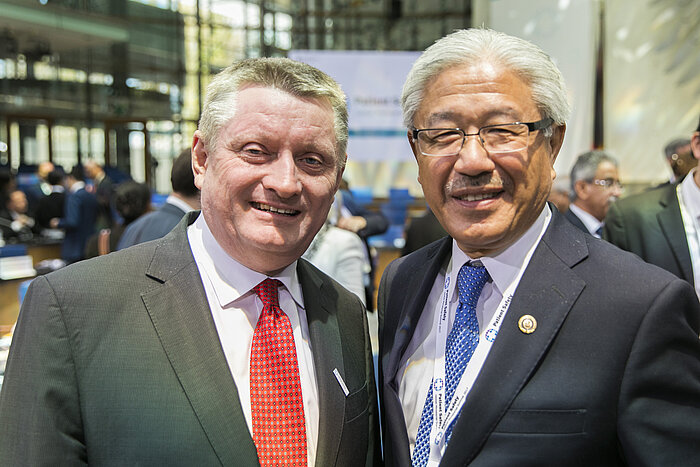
650	225
116	361
611	375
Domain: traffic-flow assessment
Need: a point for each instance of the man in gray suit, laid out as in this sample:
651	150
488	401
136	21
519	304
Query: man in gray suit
521	340
183	199
166	353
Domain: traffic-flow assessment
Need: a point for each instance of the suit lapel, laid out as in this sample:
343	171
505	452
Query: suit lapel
324	333
547	291
422	281
181	317
409	308
671	224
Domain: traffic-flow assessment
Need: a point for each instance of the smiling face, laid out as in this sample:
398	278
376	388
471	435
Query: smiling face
484	201
267	186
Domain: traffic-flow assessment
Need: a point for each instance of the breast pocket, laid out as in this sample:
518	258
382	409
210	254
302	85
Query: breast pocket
356	403
529	421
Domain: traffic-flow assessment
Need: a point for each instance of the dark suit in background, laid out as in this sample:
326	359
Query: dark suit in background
650	225
576	221
422	231
147	382
80	214
609	377
150	226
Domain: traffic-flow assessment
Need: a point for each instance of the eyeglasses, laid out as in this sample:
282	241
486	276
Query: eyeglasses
608	183
503	138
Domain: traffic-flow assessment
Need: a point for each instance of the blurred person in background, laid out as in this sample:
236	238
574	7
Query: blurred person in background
365	223
52	205
183	199
16	224
340	253
662	225
680	159
131	200
595	185
103	189
422	231
80	213
41	188
560	196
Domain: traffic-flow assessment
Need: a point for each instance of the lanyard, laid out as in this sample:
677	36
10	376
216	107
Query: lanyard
443	415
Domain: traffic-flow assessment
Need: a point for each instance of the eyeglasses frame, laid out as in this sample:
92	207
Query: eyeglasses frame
531	127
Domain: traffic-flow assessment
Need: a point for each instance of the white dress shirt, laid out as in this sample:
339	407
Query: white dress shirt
418	361
236	308
591	223
690	201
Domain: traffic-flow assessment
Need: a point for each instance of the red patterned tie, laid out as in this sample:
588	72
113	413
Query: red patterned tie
279	429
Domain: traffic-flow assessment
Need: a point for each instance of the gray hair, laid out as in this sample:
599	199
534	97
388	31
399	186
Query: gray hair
466	46
284	74
586	166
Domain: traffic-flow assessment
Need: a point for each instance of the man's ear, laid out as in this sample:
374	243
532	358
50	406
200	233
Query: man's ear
695	145
556	141
580	188
200	159
414	149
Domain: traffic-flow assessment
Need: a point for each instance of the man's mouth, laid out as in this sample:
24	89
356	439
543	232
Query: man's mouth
272	209
477	196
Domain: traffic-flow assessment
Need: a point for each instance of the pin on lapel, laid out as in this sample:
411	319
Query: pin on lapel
527	324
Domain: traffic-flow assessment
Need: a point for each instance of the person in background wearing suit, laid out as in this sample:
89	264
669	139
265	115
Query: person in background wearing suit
217	344
103	189
51	206
183	199
680	159
131	200
365	223
595	185
662	226
80	211
421	231
521	340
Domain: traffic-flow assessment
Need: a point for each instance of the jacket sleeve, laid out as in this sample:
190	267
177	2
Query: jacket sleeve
40	421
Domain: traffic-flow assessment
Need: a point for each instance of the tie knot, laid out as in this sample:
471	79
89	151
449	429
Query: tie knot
470	281
267	291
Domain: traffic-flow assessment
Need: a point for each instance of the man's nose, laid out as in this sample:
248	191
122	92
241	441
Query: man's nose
473	159
283	177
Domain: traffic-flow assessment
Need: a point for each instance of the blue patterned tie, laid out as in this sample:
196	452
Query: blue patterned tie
461	342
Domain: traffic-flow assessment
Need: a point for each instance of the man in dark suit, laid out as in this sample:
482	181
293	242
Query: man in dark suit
421	231
215	345
103	189
595	185
80	211
183	199
521	340
662	226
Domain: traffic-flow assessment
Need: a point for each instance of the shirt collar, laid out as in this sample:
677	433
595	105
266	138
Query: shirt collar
77	186
179	203
591	223
504	267
691	194
231	280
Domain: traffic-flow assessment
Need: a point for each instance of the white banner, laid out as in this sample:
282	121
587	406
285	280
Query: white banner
372	82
